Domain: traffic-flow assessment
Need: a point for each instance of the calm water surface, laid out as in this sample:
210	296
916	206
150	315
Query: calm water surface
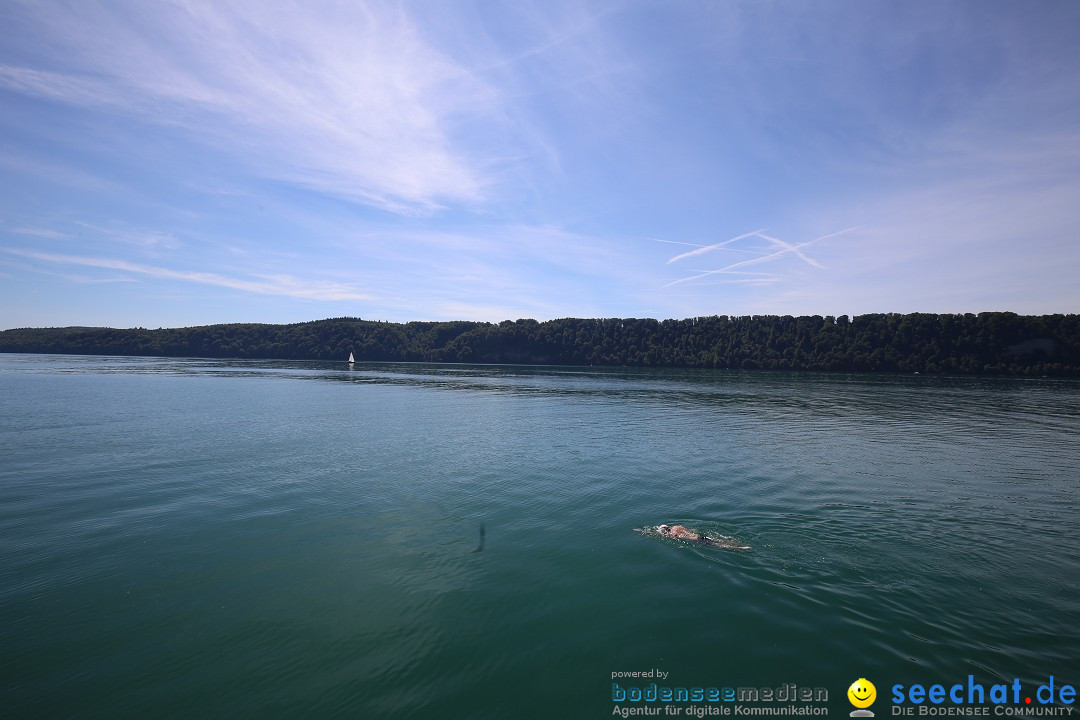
200	538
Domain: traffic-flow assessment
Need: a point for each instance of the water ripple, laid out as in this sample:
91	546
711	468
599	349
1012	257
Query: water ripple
181	533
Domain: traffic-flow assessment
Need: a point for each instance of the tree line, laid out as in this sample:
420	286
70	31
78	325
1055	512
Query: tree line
987	343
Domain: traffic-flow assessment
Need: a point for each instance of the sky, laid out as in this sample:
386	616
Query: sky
175	163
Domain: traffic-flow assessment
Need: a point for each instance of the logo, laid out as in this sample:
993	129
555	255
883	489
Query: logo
972	698
862	694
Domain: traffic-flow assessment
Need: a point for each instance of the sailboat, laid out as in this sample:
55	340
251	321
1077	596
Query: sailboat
351	359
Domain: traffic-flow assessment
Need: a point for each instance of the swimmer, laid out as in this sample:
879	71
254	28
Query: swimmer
678	532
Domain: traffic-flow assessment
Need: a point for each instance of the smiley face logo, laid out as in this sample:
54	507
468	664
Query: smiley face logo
862	693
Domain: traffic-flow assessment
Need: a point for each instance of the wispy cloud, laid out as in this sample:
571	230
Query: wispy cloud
348	100
62	87
281	285
44	233
739	277
138	238
524	158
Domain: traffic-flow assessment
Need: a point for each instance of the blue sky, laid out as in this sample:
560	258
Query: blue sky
180	163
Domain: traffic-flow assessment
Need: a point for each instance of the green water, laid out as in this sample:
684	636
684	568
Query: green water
196	538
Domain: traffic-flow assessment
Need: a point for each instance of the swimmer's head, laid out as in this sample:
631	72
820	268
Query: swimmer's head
664	528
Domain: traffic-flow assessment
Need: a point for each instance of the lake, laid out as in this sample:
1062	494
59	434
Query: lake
211	538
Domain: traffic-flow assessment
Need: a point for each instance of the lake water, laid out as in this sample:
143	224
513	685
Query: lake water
200	538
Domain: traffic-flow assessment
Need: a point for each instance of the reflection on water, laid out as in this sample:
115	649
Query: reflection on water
291	538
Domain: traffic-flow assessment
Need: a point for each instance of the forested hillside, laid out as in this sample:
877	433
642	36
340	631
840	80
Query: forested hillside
998	343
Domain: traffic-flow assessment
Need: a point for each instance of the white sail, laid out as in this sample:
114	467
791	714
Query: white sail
351	358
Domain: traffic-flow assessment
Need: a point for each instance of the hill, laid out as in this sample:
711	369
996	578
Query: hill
994	343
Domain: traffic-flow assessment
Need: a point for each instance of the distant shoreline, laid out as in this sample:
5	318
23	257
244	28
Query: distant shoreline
998	343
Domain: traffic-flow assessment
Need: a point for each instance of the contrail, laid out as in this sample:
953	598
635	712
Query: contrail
806	259
717	246
785	248
841	232
677	242
744	263
791	248
748	252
